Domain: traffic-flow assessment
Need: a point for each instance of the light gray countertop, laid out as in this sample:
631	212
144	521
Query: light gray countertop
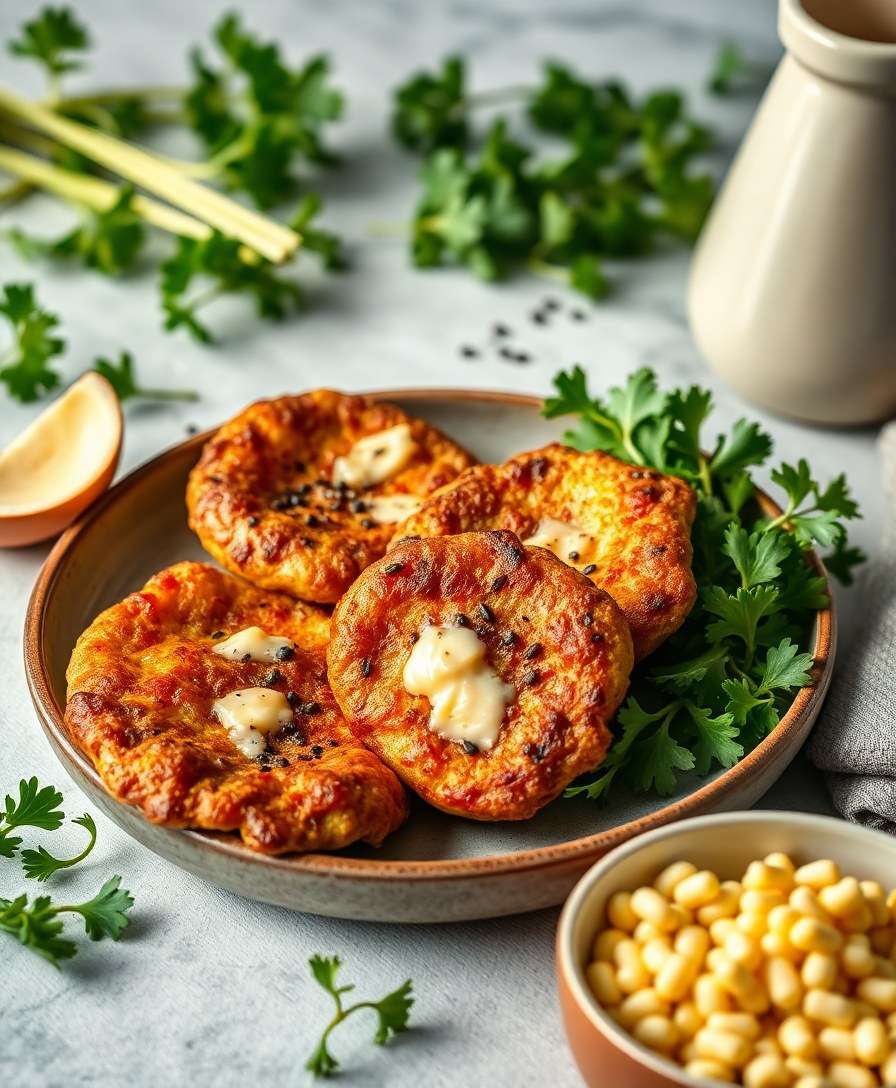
208	988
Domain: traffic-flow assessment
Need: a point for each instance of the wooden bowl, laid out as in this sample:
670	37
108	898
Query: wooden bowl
437	868
605	1053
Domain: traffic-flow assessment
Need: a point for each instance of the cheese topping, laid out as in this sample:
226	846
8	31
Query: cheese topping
375	457
448	665
249	714
388	509
566	540
254	644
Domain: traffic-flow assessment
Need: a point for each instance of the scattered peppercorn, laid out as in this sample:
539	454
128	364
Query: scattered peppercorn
578	315
533	651
393	568
469	747
312	521
310	708
539	317
573	557
366	667
192	428
508	638
317	751
271	678
485	612
285	653
590	569
358	506
501	330
499	583
217	634
529	678
469	352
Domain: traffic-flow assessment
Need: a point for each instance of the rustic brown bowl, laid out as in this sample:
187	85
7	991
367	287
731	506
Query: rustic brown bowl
605	1053
436	868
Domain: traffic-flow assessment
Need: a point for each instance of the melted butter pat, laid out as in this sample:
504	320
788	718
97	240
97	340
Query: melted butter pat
375	458
253	644
563	538
448	666
389	509
249	714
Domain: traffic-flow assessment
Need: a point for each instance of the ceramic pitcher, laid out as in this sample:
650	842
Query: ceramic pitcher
792	295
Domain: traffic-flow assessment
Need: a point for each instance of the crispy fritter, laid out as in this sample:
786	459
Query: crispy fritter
636	525
262	501
141	684
561	642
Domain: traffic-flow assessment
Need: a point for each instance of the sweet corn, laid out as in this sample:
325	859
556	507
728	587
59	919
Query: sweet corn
785	979
672	876
697	890
817	874
620	913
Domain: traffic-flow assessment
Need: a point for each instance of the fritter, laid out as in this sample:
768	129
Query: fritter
199	719
484	673
301	493
626	528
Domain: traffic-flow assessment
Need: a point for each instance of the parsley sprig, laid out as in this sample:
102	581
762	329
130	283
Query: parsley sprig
38	924
392	1011
623	182
720	684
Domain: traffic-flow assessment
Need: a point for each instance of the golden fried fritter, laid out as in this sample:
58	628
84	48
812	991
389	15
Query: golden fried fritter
142	682
627	528
277	498
558	653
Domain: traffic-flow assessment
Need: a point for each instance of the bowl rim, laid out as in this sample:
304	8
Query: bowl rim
336	866
571	971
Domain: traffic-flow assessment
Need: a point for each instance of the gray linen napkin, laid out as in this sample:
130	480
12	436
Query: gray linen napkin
854	742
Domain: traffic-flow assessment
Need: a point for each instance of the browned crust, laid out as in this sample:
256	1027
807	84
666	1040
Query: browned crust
557	726
314	550
641	520
141	684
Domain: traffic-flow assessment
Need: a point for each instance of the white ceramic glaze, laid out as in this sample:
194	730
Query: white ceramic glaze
792	286
437	868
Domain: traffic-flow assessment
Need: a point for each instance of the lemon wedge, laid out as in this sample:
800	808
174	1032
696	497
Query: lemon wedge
60	463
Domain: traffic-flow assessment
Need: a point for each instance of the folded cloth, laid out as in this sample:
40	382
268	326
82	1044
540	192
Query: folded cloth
854	742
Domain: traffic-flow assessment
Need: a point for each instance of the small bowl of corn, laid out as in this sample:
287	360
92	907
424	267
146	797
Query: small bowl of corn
751	948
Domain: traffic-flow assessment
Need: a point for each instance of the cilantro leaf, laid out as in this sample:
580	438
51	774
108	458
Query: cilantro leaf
757	556
37	806
123	379
785	668
716	741
739	613
51	38
41	865
392	1011
36	927
656	759
106	915
24	366
745	446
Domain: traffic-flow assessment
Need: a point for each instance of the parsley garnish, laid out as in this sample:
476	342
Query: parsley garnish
123	380
732	71
623	181
393	1012
40	865
38	926
24	368
37	806
51	38
720	684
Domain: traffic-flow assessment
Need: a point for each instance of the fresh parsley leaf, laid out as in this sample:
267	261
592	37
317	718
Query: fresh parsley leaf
429	108
108	241
757	556
38	926
747	445
36	806
327	245
392	1011
258	117
732	71
785	668
715	739
656	759
41	865
24	366
842	560
51	38
123	379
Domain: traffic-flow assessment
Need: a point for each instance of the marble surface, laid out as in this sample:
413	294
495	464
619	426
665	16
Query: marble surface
207	987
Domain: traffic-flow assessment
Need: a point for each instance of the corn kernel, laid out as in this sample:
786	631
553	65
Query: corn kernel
650	906
723	1046
657	1032
879	992
761	900
711	1070
797	1037
850	1075
780	861
710	996
602	980
692	942
687	1020
872	1047
819	971
620	913
742	985
697	890
743	949
740	1023
829	1008
638	1005
836	1044
806	902
655	953
762	876
753	922
811	935
673	875
766	1071
674	978
605	943
857	959
725	905
817	874
782	983
876	899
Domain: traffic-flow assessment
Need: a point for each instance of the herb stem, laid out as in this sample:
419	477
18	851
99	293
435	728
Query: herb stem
498	96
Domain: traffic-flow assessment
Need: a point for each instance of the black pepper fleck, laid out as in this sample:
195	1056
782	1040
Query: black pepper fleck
217	634
460	620
578	315
590	569
393	568
508	638
533	651
499	583
285	653
366	666
310	708
317	751
486	612
501	330
529	678
271	678
358	506
252	521
312	521
293	698
469	352
469	747
597	637
573	557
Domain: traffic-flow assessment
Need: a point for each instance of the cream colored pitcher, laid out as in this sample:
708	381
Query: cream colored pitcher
792	295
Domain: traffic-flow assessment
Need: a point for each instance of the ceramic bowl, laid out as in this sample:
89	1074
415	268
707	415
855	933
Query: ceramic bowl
436	868
605	1053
